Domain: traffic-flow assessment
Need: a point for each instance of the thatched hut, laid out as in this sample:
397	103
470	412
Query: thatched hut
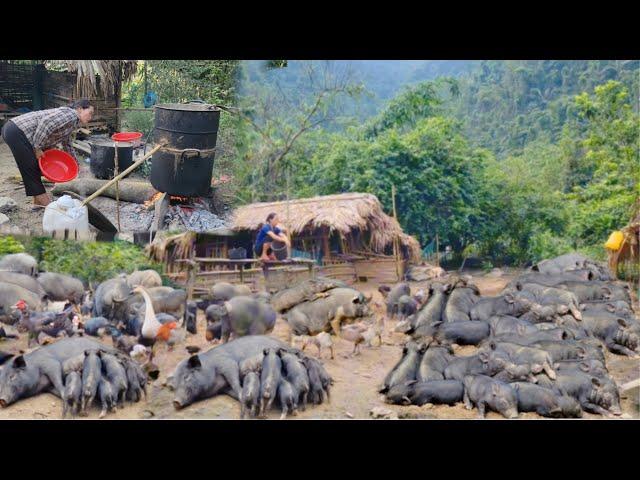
348	231
347	223
41	84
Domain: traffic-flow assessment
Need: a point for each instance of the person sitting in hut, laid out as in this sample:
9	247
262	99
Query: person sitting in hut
29	134
270	231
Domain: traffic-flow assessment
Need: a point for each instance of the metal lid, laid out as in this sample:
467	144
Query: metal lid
106	142
188	107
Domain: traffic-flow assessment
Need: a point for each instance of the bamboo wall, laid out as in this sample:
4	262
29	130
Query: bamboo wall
17	84
58	89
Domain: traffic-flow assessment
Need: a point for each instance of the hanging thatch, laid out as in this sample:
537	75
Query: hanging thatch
166	249
625	262
88	72
342	213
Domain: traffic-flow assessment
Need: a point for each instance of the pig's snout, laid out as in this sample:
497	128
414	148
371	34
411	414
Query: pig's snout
177	405
3	403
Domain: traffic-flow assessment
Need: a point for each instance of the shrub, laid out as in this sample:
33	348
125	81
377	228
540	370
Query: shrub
9	244
93	262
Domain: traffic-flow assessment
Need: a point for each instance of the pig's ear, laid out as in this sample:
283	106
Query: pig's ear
595	381
583	366
86	353
266	351
356	299
622	322
581	352
508	297
194	362
495	389
19	362
484	357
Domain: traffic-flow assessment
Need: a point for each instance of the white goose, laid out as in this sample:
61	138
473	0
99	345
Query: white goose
152	329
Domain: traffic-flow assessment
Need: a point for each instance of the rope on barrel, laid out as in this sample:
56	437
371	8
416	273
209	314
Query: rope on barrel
179	154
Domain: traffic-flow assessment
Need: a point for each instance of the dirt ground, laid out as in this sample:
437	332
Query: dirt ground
133	217
353	395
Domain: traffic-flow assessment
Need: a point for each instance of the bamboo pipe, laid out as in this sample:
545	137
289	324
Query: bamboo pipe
135	165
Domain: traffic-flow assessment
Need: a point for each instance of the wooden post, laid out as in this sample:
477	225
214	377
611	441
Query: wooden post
325	243
395	238
191	278
437	251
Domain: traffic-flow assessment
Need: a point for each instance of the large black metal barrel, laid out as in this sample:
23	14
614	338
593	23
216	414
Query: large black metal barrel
184	166
103	157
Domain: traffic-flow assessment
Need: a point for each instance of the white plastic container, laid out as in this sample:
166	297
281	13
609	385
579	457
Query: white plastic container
65	213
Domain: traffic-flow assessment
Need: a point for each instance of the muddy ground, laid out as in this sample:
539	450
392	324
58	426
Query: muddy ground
353	395
133	217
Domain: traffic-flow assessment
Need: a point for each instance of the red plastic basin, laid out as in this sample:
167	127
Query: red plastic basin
126	136
58	166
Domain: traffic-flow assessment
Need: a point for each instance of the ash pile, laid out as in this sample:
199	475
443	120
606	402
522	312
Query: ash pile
195	217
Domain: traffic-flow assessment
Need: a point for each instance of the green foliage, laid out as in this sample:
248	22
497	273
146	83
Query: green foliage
508	104
487	266
8	244
92	262
607	159
432	166
138	121
212	81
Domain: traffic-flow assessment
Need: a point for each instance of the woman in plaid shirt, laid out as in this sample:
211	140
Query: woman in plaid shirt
30	134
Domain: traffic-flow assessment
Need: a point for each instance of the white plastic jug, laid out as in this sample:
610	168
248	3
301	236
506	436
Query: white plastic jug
66	213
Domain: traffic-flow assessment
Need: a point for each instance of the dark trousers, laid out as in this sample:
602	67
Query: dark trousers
25	158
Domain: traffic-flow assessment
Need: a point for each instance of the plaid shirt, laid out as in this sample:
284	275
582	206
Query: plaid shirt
46	128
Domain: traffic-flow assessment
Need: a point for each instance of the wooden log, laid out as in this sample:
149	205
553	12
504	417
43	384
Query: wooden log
130	190
83	148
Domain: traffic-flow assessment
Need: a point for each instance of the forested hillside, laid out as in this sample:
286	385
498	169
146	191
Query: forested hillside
514	160
507	104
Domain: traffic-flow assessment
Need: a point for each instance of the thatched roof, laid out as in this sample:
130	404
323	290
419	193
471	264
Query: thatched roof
341	213
160	249
88	70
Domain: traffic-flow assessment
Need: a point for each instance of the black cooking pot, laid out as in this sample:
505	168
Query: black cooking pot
184	165
103	158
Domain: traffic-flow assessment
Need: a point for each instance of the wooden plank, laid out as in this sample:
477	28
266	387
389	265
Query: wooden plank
82	148
630	385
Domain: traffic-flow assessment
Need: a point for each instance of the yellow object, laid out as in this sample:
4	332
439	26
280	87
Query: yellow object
615	241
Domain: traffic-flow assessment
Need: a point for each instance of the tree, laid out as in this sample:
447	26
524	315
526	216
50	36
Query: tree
280	113
606	160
